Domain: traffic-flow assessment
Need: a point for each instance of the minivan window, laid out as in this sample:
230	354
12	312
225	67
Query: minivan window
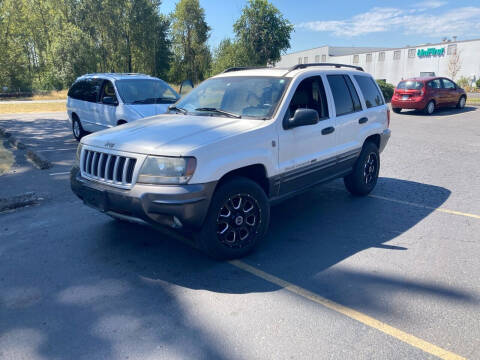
91	89
108	91
254	97
75	91
410	85
146	91
342	98
370	91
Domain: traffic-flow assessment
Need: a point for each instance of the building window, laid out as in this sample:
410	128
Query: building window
411	53
381	56
299	60
396	55
452	49
317	58
369	57
324	58
305	60
356	59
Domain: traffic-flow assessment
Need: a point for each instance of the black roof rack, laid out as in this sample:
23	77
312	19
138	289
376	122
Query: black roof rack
303	66
239	68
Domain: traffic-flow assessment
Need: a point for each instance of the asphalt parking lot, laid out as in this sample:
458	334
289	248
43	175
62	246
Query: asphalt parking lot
391	276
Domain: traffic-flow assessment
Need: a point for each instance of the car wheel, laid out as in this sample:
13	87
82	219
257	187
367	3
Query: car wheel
397	110
430	108
237	220
461	102
77	128
365	172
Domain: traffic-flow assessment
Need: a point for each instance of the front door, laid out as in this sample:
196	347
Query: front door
306	152
107	106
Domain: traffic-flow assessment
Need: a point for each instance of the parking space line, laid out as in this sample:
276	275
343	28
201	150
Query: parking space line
69	149
60	173
453	212
351	313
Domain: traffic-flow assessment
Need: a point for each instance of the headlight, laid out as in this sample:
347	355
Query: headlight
167	170
79	152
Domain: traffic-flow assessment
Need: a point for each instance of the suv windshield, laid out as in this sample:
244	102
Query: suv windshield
410	85
253	97
146	91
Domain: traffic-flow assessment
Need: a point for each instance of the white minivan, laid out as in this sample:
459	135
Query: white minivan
99	101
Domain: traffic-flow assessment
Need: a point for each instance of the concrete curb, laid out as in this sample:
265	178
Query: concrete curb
37	159
18	201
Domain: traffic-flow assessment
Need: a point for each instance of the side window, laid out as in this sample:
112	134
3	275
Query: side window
370	91
75	91
92	90
346	100
310	94
108	91
435	84
353	93
447	84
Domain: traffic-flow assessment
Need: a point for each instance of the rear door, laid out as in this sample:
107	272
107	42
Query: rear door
348	112
435	91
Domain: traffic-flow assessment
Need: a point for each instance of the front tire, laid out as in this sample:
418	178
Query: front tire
430	108
365	172
237	220
77	128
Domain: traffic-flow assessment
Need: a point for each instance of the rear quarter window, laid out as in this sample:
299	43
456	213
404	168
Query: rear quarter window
75	91
370	91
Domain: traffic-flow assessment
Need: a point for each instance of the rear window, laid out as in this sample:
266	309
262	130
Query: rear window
344	94
370	91
410	85
87	90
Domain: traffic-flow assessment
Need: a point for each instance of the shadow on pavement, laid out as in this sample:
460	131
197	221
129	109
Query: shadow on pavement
446	111
116	289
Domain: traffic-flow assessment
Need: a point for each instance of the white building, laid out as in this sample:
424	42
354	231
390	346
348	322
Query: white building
395	64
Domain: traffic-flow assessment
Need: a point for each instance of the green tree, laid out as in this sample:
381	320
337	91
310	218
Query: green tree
190	32
263	32
228	54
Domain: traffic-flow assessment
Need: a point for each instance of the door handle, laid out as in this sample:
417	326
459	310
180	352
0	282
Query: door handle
328	130
363	120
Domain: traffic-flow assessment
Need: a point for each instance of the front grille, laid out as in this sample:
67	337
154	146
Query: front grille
109	168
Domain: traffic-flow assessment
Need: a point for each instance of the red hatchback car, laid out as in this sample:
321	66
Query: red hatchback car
427	94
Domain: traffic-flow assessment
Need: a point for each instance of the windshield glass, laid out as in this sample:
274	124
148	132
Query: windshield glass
410	85
253	97
146	91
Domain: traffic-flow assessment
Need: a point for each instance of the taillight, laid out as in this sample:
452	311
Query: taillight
388	118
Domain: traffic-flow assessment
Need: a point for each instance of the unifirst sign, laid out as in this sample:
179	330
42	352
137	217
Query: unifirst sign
430	52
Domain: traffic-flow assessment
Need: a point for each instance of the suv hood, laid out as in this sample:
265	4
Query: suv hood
168	134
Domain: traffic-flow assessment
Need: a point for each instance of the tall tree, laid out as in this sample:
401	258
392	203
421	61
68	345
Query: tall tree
190	32
229	53
263	31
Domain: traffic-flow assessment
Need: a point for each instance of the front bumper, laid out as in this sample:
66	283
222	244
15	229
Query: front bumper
384	137
154	204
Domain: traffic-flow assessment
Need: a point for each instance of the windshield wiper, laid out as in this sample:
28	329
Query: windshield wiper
219	111
176	108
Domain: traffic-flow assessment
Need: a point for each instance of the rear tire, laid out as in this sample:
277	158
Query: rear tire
430	108
365	172
77	128
461	102
237	220
397	110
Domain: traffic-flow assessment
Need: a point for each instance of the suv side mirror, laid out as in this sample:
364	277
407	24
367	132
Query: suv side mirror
302	117
185	87
110	100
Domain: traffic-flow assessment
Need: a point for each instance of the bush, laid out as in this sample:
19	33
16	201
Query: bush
387	89
478	84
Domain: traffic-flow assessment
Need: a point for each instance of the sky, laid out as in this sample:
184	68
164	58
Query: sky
355	23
